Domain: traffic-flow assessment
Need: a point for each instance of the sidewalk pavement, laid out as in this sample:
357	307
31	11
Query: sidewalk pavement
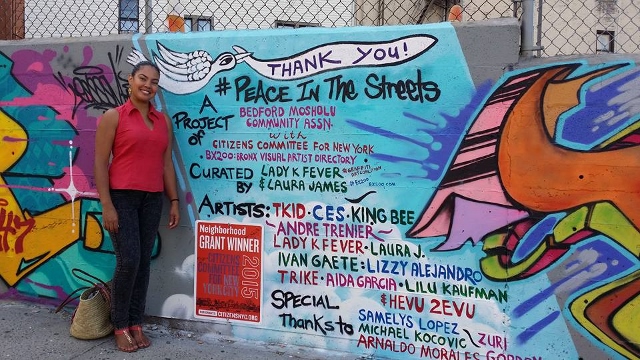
35	331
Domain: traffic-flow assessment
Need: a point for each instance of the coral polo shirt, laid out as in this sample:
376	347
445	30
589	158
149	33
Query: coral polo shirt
138	151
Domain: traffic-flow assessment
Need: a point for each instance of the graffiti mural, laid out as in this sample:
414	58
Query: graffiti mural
550	196
352	191
49	209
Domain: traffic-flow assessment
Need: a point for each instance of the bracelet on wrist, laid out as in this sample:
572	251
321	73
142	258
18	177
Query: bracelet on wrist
172	200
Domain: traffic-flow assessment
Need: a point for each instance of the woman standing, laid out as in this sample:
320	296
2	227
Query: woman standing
137	138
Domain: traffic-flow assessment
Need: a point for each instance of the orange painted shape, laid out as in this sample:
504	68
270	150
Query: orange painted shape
542	176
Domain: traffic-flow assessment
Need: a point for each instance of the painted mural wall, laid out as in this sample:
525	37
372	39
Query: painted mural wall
349	189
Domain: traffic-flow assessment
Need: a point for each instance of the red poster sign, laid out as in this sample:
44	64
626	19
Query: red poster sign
228	271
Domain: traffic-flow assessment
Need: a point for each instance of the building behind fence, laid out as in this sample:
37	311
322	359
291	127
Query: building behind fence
559	27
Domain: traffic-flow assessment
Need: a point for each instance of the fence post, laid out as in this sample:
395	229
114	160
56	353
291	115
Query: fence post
148	16
526	47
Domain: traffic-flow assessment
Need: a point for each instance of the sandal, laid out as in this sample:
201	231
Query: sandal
141	339
124	341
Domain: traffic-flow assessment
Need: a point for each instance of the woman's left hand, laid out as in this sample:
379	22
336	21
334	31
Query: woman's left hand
174	215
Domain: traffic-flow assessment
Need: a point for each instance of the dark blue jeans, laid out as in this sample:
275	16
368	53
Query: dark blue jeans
138	219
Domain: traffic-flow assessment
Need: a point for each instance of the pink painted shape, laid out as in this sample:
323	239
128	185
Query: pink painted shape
486	149
80	182
491	116
36	66
48	95
435	221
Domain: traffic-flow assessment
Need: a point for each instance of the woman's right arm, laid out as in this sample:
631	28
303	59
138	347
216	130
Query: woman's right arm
105	134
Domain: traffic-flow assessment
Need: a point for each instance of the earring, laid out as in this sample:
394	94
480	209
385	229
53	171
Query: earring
129	91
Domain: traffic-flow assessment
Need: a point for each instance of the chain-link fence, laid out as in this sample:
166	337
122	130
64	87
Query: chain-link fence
569	27
559	27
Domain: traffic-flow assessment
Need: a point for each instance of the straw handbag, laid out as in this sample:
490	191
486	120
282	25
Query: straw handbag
91	318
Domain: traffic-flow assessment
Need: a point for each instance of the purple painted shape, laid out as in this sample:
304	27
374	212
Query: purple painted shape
13	139
474	220
14	294
35	72
87	53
